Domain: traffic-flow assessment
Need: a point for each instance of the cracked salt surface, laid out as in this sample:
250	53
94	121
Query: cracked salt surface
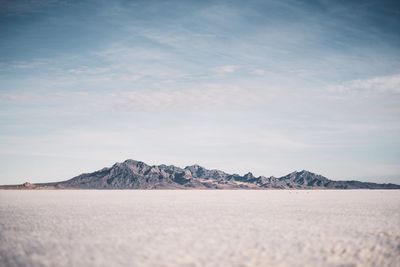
200	228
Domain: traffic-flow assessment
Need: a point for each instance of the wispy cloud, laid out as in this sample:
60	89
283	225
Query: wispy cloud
379	84
210	97
31	64
227	69
24	7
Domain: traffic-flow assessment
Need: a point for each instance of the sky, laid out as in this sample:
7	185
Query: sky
267	86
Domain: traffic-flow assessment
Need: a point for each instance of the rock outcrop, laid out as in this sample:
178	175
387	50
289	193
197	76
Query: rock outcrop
132	174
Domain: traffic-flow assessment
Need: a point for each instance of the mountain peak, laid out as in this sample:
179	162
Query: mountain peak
194	167
133	162
305	172
302	173
249	175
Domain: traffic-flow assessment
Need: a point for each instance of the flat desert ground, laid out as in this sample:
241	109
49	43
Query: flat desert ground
200	228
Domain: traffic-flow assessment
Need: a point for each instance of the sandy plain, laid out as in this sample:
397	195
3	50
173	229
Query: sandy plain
200	228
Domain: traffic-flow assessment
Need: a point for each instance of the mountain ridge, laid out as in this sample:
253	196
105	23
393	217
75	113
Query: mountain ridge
133	174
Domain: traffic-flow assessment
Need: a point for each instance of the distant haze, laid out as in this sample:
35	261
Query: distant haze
262	86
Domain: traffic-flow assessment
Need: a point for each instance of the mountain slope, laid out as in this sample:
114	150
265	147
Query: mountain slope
132	174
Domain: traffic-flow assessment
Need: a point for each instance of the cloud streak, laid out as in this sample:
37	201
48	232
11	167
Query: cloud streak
379	84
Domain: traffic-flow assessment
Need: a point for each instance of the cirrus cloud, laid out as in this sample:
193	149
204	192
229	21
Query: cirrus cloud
379	84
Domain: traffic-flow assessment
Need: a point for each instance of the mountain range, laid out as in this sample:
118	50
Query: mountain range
132	174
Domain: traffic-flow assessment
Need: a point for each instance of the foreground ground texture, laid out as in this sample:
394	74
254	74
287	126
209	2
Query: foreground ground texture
200	228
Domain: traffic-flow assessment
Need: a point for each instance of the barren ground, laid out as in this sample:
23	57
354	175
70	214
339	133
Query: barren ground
200	228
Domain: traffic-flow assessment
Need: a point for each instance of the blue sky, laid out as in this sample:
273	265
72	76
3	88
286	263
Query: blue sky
262	86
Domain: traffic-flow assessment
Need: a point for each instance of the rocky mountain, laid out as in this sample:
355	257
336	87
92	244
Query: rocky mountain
132	174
